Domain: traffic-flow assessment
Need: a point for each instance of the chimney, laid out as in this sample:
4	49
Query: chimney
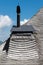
18	16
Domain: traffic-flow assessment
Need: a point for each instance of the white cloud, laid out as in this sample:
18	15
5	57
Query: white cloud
23	22
5	21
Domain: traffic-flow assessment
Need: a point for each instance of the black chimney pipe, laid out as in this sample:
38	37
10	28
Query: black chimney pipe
18	16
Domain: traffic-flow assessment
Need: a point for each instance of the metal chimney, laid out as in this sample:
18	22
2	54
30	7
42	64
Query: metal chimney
18	16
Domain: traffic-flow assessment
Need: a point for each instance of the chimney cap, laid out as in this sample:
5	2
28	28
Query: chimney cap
18	9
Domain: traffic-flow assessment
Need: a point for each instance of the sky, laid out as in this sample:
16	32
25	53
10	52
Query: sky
8	15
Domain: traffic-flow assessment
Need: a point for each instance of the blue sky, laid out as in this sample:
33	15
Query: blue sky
8	13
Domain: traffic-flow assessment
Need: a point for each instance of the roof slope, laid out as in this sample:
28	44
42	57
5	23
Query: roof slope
37	22
37	19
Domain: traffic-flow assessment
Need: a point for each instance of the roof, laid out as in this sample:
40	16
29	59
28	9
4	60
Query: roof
36	19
